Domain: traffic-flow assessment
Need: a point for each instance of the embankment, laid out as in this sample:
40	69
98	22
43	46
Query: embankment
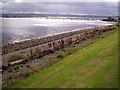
93	66
34	42
33	49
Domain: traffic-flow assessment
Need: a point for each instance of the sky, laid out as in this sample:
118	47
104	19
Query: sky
59	0
99	7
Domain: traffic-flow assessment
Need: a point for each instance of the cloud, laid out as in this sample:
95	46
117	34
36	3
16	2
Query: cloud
63	7
60	0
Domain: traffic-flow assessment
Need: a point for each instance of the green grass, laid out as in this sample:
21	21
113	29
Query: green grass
95	66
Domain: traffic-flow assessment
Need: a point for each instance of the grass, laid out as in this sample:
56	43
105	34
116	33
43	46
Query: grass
95	66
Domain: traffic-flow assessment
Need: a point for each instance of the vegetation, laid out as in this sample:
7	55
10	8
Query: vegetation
94	66
15	57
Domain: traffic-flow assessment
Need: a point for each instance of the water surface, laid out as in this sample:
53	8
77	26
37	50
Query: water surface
18	29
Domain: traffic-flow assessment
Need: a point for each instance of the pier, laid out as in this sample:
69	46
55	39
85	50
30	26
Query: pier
75	18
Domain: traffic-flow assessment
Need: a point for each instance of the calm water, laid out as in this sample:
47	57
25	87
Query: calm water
18	29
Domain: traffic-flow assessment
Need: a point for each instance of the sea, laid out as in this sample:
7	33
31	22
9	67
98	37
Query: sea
20	29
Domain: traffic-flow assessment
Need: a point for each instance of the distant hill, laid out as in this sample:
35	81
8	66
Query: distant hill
48	15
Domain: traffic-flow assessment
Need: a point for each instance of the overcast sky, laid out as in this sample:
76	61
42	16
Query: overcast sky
59	0
96	8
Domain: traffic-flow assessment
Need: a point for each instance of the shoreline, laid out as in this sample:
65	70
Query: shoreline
8	48
50	35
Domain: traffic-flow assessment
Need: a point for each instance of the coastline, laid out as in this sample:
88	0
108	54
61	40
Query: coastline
22	52
51	35
8	48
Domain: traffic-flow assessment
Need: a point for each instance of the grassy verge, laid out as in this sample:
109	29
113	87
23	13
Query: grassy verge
94	66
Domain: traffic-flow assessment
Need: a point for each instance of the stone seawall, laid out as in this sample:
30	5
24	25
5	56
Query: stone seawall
37	48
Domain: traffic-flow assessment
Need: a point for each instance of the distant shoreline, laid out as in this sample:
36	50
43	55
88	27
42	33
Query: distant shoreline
8	15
